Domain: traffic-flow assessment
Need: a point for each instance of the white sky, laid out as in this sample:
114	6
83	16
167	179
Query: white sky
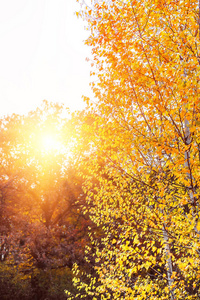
42	55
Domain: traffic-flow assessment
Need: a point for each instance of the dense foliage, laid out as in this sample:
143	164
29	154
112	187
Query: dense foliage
146	149
43	229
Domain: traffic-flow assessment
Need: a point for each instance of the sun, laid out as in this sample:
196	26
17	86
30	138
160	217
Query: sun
49	143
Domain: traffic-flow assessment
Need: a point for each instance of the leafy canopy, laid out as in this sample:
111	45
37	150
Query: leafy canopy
146	158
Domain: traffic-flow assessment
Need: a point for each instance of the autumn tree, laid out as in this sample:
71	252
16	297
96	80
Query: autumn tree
43	228
145	128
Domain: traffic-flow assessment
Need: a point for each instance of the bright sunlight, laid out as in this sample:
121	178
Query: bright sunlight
50	143
50	136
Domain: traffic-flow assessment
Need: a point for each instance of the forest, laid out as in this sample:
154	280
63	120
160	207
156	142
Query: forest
104	203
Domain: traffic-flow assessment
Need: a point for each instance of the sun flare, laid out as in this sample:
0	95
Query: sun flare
50	143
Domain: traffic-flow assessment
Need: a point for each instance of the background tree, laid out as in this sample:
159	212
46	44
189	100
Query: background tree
43	229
